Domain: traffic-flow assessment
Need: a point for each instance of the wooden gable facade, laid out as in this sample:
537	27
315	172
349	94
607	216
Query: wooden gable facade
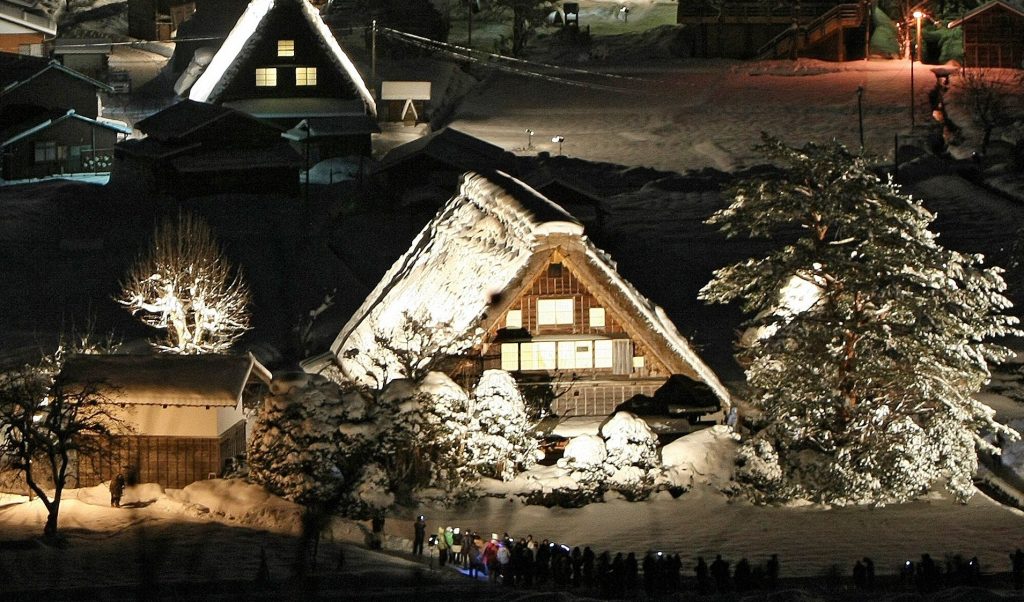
565	324
993	36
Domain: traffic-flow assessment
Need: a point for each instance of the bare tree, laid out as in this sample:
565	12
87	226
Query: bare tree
526	15
986	95
45	423
186	287
414	349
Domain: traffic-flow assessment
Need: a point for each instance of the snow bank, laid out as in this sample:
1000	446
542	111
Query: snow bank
702	458
238	500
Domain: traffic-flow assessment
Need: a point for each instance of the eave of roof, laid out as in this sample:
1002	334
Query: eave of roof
59	67
984	7
43	24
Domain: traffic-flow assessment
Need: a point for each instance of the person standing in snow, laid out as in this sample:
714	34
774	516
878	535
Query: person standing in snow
701	571
116	490
453	538
420	533
720	573
503	557
773	571
442	547
1017	565
869	572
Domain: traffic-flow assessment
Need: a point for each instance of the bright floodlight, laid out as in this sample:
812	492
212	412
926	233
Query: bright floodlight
918	14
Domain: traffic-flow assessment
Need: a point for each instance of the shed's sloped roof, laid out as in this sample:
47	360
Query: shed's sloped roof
450	146
984	7
28	15
173	380
480	251
248	33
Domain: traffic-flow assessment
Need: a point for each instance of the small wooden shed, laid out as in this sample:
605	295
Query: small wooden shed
993	35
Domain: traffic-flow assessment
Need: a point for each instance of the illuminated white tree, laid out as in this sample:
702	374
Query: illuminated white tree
866	388
505	443
186	286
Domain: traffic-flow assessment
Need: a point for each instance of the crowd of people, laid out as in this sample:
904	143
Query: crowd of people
527	562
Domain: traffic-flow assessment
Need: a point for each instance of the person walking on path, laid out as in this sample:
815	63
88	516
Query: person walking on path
116	490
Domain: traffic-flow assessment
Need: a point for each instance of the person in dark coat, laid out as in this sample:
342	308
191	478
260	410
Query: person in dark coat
701	571
860	575
632	572
1017	566
773	571
588	567
869	573
420	533
116	490
741	576
720	573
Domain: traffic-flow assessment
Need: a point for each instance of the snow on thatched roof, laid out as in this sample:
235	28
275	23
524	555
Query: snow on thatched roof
246	35
172	380
475	256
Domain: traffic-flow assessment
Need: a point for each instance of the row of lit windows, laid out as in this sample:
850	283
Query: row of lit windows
556	355
555	312
267	76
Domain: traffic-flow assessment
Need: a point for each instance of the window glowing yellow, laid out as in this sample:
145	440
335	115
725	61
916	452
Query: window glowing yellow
602	354
286	48
266	77
305	76
597	317
510	357
554	311
514	318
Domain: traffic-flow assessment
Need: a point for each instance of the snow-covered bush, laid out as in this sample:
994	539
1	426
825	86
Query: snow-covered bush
585	459
632	454
504	443
423	442
294	448
757	466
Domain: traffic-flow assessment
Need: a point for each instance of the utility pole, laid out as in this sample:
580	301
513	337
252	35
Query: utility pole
860	116
373	51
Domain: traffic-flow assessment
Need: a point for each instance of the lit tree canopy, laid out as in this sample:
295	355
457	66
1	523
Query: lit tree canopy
186	287
865	384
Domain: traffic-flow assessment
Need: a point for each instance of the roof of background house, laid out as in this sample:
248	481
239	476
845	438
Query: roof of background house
17	70
985	7
451	146
166	379
47	121
248	32
188	116
28	14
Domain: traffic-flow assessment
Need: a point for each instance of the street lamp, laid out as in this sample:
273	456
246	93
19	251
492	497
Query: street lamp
559	140
917	18
529	139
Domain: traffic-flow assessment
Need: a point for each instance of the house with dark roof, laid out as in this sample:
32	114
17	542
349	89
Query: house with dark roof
281	63
993	35
53	143
157	19
49	120
185	413
196	148
24	27
425	171
512	279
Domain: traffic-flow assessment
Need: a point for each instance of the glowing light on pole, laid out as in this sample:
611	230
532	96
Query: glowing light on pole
529	139
917	18
559	140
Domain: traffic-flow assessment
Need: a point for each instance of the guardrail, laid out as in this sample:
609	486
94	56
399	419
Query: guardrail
843	16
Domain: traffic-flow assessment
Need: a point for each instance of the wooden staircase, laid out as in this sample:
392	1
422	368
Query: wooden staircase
830	26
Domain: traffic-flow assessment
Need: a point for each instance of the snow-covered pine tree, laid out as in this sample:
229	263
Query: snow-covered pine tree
505	443
865	386
632	454
294	451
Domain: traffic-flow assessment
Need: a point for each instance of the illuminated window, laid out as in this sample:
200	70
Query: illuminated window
602	354
597	317
514	318
286	48
638	362
554	311
510	357
266	77
305	76
45	151
537	356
